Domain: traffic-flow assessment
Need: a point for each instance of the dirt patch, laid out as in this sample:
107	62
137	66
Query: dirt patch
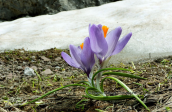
16	87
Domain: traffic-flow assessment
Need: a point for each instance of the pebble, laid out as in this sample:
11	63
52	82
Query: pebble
47	72
29	71
58	59
57	67
45	59
34	68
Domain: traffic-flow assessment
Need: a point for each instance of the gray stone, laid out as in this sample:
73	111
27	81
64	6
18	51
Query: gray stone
57	67
45	59
40	68
57	59
2	78
47	72
33	57
48	67
1	67
19	67
29	72
13	9
34	68
24	63
15	62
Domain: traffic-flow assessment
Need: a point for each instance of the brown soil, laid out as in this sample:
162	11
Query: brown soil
17	88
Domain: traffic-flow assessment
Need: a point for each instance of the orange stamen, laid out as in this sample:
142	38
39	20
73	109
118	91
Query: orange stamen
105	30
82	45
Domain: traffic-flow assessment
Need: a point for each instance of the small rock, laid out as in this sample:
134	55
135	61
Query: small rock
158	60
39	65
39	68
48	62
68	74
11	75
29	71
12	88
2	78
1	67
16	84
32	61
2	110
58	59
33	57
48	66
34	67
24	63
21	51
19	67
57	67
27	89
15	62
44	58
47	72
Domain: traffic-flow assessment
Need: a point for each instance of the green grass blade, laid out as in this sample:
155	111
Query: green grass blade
38	75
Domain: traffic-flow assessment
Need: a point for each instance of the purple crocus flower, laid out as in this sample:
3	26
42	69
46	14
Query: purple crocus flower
104	46
82	57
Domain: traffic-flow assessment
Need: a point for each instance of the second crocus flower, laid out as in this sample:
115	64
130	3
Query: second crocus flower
82	57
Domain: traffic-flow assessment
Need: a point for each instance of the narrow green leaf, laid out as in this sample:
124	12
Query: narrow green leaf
106	98
125	87
83	100
137	83
123	74
105	69
84	82
50	92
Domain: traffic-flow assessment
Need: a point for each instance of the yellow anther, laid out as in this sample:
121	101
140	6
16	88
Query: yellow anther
105	30
82	45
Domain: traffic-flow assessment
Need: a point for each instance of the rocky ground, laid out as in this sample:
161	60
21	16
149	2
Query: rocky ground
53	72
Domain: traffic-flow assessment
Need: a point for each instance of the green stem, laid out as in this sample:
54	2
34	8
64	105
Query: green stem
97	81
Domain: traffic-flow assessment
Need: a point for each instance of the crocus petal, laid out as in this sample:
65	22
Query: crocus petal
75	53
69	60
112	39
87	56
121	43
100	27
97	41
